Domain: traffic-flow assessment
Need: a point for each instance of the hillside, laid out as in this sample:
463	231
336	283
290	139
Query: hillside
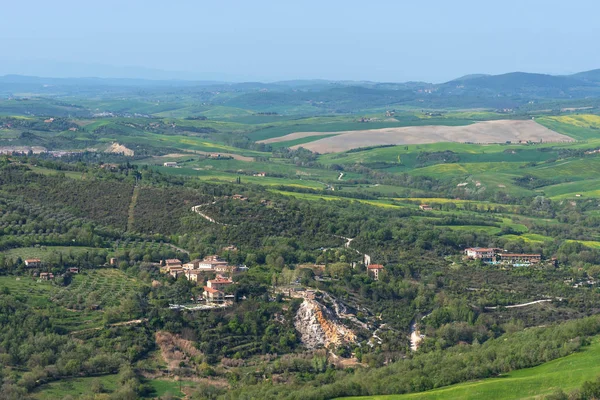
299	240
565	374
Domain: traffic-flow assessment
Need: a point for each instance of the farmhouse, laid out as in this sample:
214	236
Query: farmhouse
73	270
170	164
261	174
33	263
374	269
510	258
425	207
213	295
481	253
219	283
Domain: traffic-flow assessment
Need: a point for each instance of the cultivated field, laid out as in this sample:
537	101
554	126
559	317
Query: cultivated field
499	131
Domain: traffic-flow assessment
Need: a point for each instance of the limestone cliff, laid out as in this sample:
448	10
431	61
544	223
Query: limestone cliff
319	326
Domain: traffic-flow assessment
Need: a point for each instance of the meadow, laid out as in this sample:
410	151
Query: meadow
45	251
567	373
77	387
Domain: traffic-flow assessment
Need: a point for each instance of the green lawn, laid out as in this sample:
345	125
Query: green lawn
566	373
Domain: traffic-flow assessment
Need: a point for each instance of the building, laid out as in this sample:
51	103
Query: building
374	270
173	262
512	258
213	295
194	264
113	261
193	275
211	262
227	269
175	271
170	164
219	283
425	207
46	276
261	174
481	253
33	263
73	270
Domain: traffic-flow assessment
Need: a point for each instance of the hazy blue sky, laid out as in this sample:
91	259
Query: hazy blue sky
384	40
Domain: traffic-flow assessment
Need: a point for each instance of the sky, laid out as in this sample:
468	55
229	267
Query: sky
271	40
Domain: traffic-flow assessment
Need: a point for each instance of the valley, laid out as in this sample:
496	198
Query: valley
307	242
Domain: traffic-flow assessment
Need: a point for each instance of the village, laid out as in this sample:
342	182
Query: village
197	271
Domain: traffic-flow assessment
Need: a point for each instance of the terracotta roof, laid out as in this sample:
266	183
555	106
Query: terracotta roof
211	290
375	266
194	272
220	281
173	261
33	260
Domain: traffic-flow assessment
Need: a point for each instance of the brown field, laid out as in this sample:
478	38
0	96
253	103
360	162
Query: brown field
480	132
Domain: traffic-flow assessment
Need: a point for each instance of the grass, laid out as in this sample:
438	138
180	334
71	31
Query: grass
299	141
588	243
77	387
44	251
46	171
567	373
580	127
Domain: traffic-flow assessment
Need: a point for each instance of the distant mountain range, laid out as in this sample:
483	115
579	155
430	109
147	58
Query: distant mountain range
505	91
510	81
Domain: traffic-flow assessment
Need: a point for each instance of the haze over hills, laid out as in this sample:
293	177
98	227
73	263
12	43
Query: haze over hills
507	81
304	97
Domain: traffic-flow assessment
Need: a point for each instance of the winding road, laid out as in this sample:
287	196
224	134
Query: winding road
366	257
196	209
521	305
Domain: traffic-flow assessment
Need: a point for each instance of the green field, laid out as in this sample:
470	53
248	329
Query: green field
77	387
44	251
566	373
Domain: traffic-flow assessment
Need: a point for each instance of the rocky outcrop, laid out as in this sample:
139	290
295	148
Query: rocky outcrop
319	326
119	149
